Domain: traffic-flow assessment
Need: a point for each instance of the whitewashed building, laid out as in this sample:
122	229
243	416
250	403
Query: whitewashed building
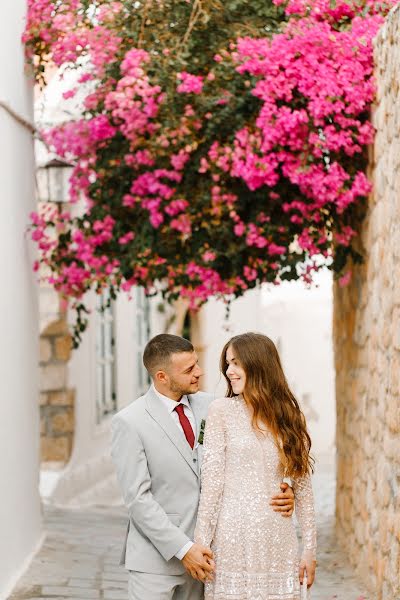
106	374
20	515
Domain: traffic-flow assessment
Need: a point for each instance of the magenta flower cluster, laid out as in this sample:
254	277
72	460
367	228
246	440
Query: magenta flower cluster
276	197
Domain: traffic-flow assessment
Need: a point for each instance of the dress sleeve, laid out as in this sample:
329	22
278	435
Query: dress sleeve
304	503
212	475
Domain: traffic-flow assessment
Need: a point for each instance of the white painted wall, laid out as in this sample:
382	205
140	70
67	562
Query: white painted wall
299	321
89	477
216	329
20	520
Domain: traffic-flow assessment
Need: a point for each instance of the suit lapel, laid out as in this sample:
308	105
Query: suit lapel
197	407
158	412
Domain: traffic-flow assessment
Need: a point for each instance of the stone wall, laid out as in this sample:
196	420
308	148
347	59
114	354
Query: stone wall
56	400
367	354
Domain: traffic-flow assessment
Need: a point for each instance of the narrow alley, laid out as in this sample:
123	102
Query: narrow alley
80	555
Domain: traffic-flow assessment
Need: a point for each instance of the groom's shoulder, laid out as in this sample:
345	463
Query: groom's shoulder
204	400
131	412
204	397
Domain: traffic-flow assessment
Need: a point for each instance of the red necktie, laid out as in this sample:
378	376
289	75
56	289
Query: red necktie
186	426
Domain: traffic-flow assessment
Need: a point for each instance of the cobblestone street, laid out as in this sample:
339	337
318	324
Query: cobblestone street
79	558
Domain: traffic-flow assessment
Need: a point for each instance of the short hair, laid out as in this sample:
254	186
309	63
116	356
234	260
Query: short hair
160	348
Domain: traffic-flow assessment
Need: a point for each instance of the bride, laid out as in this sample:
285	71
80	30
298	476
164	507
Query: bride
254	438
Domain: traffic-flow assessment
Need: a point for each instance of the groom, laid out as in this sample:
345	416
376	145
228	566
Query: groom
157	454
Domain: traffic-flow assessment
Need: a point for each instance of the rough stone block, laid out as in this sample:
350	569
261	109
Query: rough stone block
63	347
59	327
55	449
396	327
113	585
44	350
62	398
63	422
394	375
392	417
82	583
52	377
115	594
114	576
43	399
43	425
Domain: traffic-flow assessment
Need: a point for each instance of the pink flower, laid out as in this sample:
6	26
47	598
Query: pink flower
178	161
345	279
128	200
275	249
156	219
78	138
190	84
176	206
289	170
239	229
69	93
85	77
209	256
125	239
182	224
250	274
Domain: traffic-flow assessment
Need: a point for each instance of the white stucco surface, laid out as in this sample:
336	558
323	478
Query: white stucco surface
20	518
89	476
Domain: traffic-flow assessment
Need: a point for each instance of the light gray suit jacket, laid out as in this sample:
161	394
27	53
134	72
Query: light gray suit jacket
159	477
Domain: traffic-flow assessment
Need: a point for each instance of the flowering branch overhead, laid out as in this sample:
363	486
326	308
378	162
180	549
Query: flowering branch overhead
234	160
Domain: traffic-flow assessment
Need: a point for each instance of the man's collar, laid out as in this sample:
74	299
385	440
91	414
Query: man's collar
168	402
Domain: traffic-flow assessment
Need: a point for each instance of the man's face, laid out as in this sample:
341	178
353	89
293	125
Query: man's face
183	373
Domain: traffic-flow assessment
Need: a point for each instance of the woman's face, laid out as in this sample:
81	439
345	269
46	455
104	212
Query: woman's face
235	372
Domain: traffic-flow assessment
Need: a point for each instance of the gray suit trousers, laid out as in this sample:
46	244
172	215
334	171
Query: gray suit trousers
150	586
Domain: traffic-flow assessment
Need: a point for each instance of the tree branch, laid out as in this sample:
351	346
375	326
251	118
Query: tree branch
194	16
146	7
17	117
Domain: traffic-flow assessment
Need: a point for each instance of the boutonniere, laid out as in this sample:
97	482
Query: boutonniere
201	434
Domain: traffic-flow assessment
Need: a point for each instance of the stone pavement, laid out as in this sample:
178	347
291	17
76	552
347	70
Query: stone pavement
79	558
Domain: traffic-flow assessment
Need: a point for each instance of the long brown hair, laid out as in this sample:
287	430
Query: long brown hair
271	400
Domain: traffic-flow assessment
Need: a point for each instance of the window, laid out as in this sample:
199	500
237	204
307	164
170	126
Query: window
106	399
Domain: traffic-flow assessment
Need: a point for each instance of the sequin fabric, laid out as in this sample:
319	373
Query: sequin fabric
255	549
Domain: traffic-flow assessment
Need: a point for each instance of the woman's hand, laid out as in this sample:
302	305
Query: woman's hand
307	566
199	563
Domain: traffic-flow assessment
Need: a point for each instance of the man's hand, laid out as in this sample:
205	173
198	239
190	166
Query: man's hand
284	502
198	562
307	566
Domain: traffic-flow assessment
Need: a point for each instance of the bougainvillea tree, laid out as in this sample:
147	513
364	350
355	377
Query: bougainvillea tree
220	145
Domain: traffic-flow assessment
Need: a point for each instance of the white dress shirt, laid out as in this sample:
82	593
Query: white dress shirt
171	405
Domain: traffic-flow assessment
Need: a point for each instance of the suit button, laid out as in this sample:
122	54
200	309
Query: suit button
195	460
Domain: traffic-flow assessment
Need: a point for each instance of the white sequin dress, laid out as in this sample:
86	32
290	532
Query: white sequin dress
255	549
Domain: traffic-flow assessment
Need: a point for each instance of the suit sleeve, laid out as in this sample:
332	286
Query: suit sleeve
149	517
